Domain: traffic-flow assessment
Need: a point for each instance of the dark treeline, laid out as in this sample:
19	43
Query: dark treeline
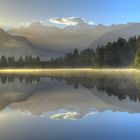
121	53
27	61
28	79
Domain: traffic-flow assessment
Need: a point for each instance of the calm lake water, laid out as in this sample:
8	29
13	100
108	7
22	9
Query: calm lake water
70	106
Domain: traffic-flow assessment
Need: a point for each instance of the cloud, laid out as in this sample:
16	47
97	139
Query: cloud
71	115
66	116
70	21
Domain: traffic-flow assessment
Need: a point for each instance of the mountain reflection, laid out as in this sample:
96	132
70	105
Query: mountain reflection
84	91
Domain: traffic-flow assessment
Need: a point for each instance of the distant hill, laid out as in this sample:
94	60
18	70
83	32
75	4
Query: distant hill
126	32
14	45
18	46
62	40
50	41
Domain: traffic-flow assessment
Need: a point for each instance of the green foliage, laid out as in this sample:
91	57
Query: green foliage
28	61
120	53
3	61
137	58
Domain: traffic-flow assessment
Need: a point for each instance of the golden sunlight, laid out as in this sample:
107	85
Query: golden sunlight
36	71
2	22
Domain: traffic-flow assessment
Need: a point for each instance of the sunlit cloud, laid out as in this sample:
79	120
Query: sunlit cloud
70	21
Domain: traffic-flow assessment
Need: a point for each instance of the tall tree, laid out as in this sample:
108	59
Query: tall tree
3	61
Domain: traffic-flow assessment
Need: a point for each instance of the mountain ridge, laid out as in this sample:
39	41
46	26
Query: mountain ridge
126	32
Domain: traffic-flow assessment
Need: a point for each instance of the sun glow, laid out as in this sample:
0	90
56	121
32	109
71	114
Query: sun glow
3	22
36	71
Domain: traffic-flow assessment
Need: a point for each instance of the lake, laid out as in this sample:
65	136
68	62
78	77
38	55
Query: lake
70	105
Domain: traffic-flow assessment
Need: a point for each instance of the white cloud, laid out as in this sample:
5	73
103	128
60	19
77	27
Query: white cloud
68	21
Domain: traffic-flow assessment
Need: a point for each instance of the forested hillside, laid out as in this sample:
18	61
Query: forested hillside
121	53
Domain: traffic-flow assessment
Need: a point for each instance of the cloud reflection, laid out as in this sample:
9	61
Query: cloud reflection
66	116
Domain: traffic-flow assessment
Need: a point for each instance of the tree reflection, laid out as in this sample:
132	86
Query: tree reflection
5	79
119	85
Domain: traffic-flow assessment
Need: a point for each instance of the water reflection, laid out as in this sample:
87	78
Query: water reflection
86	102
5	79
83	92
121	85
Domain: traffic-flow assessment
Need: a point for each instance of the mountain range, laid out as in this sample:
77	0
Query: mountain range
15	45
50	41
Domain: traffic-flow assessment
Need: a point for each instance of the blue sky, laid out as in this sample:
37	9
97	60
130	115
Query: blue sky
14	12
